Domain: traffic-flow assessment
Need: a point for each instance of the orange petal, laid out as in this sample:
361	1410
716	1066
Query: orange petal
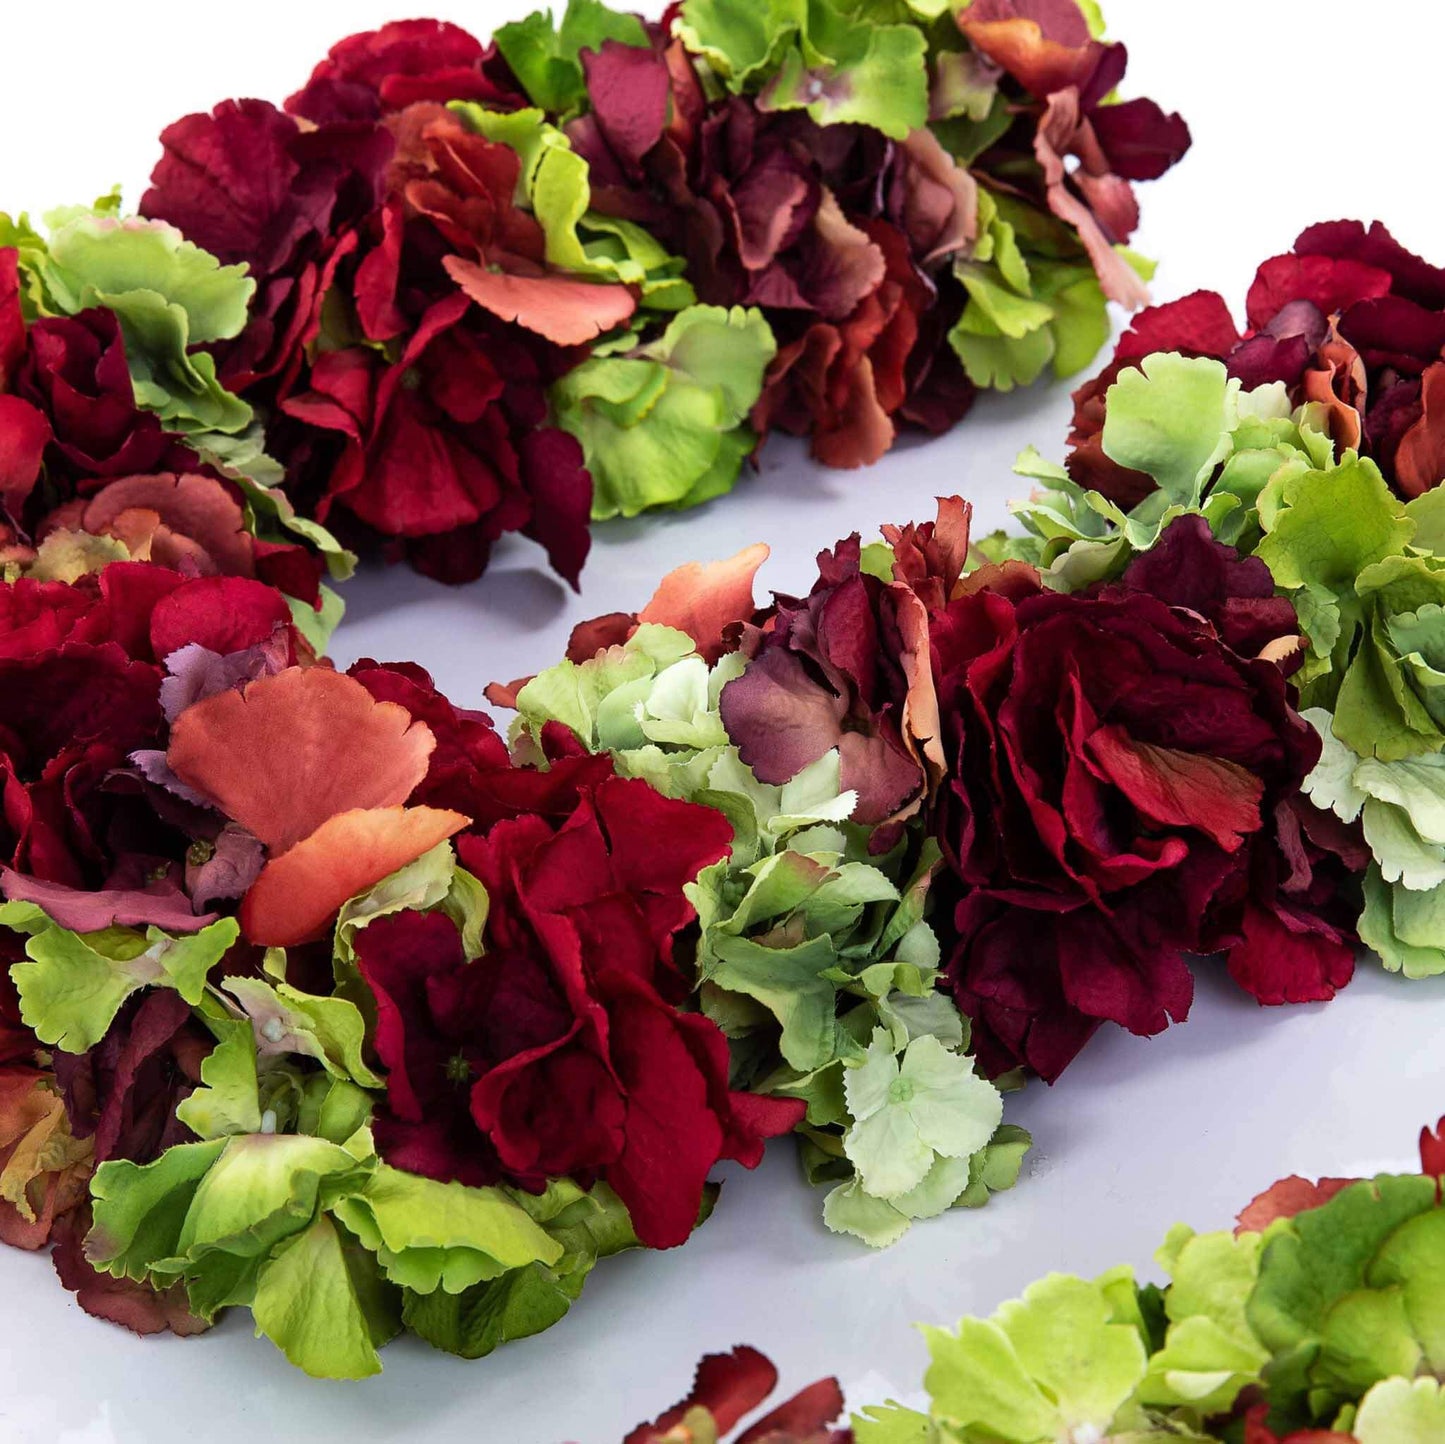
563	310
922	727
198	508
290	751
298	894
702	598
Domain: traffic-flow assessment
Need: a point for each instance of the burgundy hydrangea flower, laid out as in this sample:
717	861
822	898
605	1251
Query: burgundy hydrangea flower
837	232
1348	319
1125	791
1088	151
81	691
372	74
562	1053
123	1093
249	184
407	324
844	669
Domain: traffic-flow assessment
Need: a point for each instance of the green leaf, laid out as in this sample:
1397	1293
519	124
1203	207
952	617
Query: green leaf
1402	1411
664	423
74	984
228	1100
430	1235
1053	1365
314	1302
1172	419
287	1022
546	58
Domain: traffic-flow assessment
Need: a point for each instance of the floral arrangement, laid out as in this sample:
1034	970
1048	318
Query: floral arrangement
451	291
326	1000
1315	1321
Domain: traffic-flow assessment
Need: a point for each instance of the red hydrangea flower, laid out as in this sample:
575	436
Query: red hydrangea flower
1349	319
372	74
80	691
249	184
407	325
562	1053
1125	791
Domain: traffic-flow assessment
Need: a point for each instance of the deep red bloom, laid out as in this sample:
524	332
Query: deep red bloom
80	690
447	447
1125	791
123	1093
1348	319
369	75
561	1053
250	184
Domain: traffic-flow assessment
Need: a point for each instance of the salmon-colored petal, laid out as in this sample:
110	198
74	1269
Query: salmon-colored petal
922	726
1420	461
563	310
702	598
195	507
288	752
300	892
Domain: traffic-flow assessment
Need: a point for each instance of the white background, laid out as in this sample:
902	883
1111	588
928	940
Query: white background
1301	112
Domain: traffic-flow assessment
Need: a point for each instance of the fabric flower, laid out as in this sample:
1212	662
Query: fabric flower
252	185
328	807
1125	791
1069	77
560	1054
843	668
1348	320
81	690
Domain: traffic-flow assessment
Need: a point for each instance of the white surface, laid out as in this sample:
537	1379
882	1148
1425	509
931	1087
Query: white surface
1331	116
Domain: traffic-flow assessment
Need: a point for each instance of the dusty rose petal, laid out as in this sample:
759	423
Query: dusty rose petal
569	312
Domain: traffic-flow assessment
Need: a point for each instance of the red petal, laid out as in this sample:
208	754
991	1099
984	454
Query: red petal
1285	1199
728	1386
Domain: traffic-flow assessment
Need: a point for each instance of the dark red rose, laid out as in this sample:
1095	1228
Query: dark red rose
846	669
369	75
560	1054
1120	784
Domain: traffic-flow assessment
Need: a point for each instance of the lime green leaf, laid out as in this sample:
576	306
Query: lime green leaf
74	984
315	1303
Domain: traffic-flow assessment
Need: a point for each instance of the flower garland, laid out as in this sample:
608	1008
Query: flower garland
1316	1321
452	290
324	1000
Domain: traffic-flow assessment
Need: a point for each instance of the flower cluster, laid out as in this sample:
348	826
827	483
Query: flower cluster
320	1002
1305	445
450	291
1315	1321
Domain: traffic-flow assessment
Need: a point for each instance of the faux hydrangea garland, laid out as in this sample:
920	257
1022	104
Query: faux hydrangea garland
1318	1320
324	1000
451	290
